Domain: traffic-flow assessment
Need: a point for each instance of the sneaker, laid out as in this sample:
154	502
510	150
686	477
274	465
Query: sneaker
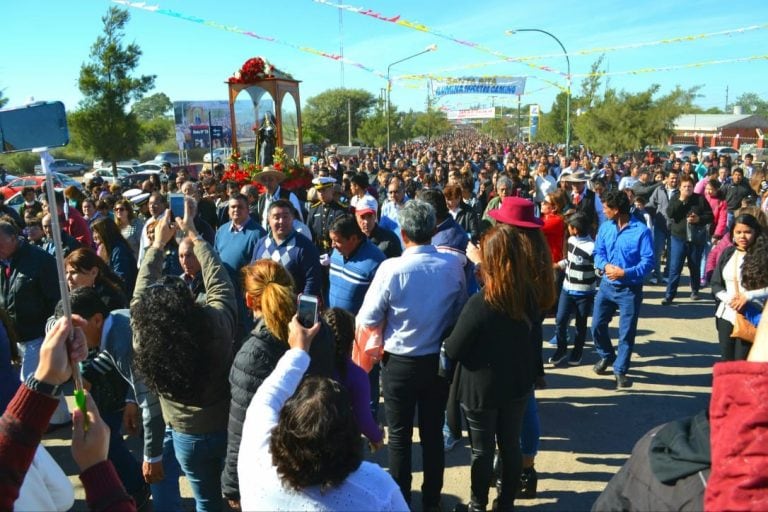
449	442
666	301
622	381
653	280
553	341
575	358
695	296
558	357
601	366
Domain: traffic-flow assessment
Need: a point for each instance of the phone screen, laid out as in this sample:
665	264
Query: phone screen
307	310
177	205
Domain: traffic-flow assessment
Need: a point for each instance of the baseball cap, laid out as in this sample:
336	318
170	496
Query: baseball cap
366	205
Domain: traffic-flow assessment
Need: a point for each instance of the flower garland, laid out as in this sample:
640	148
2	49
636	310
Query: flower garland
297	176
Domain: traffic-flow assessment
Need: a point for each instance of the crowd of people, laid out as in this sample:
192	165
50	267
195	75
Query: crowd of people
434	264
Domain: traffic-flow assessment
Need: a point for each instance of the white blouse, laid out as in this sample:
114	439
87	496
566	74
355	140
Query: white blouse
367	488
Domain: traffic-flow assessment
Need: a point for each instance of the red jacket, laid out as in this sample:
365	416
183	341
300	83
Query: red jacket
738	416
77	227
21	428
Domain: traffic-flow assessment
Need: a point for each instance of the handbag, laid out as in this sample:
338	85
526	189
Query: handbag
742	327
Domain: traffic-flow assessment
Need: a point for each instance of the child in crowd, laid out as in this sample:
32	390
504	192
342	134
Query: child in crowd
578	292
641	213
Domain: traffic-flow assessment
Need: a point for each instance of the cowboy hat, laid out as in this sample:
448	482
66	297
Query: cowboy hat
516	211
578	176
268	170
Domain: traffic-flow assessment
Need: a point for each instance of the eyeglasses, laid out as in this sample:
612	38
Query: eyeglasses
120	209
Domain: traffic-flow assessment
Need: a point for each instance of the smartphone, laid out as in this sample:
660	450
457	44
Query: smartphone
177	205
36	125
307	313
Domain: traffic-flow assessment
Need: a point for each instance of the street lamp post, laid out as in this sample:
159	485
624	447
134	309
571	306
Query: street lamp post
568	91
430	48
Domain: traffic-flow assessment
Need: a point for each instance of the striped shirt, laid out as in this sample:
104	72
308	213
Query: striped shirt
350	278
579	265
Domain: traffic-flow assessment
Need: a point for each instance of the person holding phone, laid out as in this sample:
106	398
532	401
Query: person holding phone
271	301
116	252
184	351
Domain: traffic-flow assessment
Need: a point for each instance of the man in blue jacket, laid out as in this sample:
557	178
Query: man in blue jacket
623	257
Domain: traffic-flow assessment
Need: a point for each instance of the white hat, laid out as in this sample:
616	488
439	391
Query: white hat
366	205
140	198
323	181
131	193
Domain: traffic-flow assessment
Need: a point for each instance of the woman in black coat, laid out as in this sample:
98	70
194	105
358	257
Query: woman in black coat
498	361
269	294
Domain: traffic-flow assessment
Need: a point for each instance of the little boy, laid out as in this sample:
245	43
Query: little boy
578	292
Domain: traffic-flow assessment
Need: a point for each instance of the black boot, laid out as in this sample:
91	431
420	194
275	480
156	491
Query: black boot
529	479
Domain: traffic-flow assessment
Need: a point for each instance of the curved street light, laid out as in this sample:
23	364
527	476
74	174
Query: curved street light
568	91
430	48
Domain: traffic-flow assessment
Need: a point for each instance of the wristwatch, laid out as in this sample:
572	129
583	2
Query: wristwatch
42	387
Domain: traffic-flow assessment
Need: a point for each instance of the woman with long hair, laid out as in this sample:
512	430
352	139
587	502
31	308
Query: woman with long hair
183	350
129	224
740	268
271	299
85	269
497	355
115	251
719	226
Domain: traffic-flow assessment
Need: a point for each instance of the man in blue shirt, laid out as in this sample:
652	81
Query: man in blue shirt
235	243
623	256
292	250
354	262
415	299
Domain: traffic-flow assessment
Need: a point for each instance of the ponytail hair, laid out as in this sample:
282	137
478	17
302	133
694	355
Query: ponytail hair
342	325
270	289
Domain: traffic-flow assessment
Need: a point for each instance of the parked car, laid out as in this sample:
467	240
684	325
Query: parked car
64	167
134	180
684	150
36	181
219	155
722	150
149	166
106	174
167	156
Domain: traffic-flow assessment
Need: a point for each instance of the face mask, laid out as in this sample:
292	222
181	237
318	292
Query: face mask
72	203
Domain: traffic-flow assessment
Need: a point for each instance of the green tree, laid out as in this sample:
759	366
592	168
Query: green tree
497	127
629	121
325	116
373	129
3	99
751	103
102	121
153	106
432	123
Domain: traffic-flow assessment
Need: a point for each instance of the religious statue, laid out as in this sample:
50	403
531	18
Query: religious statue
266	138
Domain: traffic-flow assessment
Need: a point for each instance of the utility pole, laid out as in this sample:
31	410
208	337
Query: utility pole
726	100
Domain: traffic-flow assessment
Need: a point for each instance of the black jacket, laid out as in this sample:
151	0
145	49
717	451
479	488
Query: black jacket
253	363
31	292
678	211
668	470
468	219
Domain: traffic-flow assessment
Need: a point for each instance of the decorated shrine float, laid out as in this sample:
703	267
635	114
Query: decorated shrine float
265	112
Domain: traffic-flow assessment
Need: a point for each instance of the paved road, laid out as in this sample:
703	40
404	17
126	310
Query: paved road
588	428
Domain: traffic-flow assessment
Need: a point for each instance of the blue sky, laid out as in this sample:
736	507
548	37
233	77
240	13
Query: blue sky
45	41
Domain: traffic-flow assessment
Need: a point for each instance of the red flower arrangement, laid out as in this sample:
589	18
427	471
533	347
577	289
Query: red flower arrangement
255	69
297	177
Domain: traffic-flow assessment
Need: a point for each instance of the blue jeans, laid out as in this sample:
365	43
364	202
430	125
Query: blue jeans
529	436
681	251
201	457
660	242
126	465
581	306
705	250
166	494
627	299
